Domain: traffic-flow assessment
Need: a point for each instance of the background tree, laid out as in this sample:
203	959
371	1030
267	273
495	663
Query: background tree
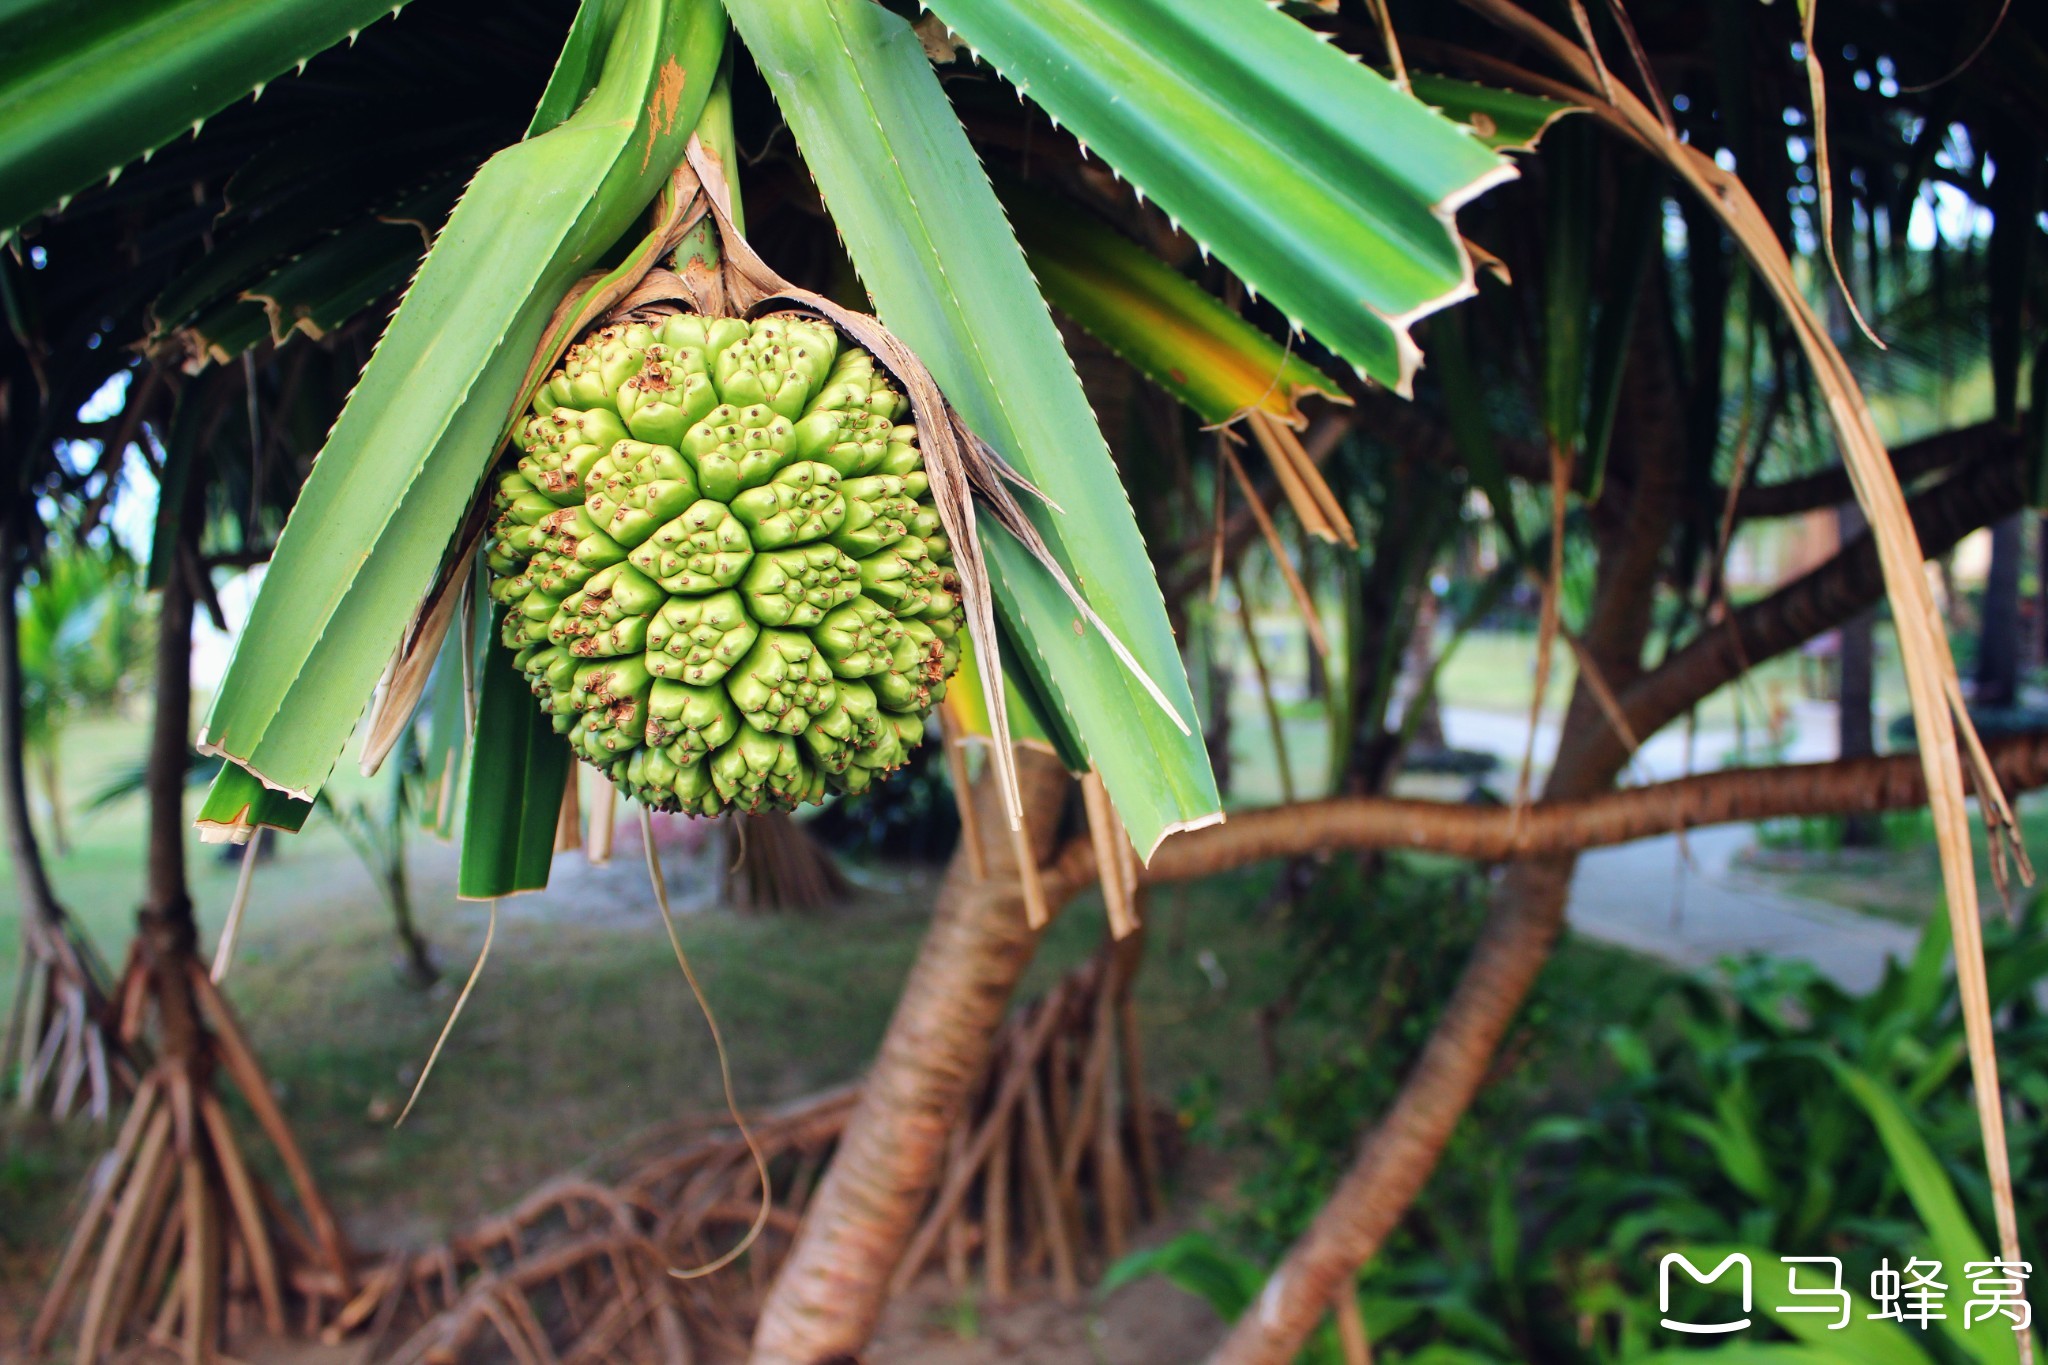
82	637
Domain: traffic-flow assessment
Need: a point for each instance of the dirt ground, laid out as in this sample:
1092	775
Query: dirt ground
1146	1323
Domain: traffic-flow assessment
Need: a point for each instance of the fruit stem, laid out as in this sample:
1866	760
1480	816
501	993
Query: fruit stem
715	132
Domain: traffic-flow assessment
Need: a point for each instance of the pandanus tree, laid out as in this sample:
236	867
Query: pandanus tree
971	382
650	505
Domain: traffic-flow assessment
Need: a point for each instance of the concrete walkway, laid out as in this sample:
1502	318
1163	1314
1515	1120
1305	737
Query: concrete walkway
1694	906
1651	898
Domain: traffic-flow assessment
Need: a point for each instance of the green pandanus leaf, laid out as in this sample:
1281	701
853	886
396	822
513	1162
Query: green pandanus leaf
376	518
518	768
1506	120
322	288
237	805
1568	271
1314	178
1179	335
86	89
922	225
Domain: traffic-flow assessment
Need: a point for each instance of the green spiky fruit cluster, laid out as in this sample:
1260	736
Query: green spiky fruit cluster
720	566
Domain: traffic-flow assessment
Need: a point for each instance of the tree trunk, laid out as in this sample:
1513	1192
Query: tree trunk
1427	733
832	1289
1998	648
1527	910
1222	684
2041	590
167	931
61	990
1399	1154
40	909
772	863
186	1188
1972	497
1553	827
1855	714
416	957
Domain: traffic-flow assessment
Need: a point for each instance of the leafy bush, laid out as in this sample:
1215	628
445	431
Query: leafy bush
1766	1111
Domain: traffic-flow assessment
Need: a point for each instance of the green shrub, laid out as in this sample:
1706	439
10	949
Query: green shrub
1766	1110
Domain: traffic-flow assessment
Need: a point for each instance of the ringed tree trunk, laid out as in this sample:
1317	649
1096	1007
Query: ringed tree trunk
1400	1152
57	1043
832	1288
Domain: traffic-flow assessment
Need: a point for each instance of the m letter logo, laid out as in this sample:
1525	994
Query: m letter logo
1664	1291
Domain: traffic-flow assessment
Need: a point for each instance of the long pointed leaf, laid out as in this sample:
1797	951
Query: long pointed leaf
87	88
518	768
1951	1236
418	433
1505	120
237	805
931	244
446	712
1181	337
1313	177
